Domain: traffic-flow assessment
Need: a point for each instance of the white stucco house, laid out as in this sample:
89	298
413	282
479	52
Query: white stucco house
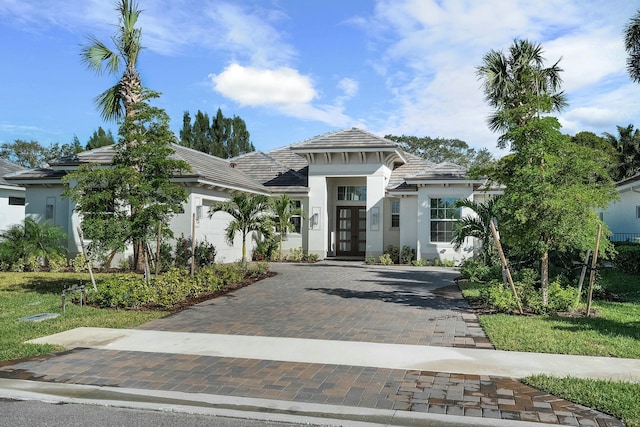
12	196
623	216
360	193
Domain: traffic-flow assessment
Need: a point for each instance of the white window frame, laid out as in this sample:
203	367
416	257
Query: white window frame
446	216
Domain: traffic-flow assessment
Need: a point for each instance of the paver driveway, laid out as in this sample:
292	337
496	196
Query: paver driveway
342	301
325	301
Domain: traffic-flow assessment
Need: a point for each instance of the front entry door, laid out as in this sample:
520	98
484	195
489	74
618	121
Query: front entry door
352	230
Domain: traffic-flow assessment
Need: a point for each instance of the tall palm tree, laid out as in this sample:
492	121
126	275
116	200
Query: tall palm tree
283	210
118	101
478	226
519	86
249	214
632	46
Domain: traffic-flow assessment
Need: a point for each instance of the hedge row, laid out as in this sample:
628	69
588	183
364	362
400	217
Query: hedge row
173	286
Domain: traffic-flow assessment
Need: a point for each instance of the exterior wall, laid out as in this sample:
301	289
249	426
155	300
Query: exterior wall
426	249
391	234
210	229
376	217
298	240
621	215
38	197
409	223
318	216
10	214
324	180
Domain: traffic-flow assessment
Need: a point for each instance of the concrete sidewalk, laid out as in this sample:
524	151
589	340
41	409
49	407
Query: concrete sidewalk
392	356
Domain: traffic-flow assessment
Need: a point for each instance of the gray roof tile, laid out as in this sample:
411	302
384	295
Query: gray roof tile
8	168
204	167
352	138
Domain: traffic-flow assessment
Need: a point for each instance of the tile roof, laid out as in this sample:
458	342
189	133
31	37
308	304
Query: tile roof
7	168
351	138
205	167
441	171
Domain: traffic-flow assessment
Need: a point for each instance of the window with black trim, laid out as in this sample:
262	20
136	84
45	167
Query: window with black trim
16	201
444	216
352	192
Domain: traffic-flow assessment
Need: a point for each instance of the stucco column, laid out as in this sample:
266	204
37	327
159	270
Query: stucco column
318	216
375	215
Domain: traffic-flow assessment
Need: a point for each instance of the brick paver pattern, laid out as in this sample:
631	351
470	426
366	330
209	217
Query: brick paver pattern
348	302
334	301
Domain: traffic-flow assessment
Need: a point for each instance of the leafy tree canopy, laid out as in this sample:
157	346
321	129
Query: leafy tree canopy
31	154
440	150
100	138
221	136
627	148
125	203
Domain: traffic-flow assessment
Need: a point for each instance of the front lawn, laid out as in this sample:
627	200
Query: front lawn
25	294
614	332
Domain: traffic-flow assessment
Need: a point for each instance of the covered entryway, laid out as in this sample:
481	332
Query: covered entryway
351	229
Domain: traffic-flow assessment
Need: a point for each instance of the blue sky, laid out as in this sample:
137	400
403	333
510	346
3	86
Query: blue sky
295	69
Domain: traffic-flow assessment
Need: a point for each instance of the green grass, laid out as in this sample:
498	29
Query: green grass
614	332
617	398
25	294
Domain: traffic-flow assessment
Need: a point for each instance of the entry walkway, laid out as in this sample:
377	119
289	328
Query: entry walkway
397	343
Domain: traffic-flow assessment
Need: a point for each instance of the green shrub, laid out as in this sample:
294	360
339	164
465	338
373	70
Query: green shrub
499	297
295	255
627	258
561	298
57	263
173	286
230	273
385	259
79	263
407	255
122	291
394	254
474	270
420	262
182	253
205	253
370	260
312	257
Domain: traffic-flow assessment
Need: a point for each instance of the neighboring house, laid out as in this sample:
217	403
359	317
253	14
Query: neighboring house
623	216
360	194
12	196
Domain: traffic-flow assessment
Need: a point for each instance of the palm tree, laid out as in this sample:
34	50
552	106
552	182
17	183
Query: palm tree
477	226
283	210
249	214
627	145
518	85
632	46
31	239
118	101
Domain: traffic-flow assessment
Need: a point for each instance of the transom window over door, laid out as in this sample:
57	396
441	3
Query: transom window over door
444	216
352	192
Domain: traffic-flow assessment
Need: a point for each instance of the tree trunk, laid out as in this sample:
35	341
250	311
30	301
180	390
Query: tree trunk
544	277
138	255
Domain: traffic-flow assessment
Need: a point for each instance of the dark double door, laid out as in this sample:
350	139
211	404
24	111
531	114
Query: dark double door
351	231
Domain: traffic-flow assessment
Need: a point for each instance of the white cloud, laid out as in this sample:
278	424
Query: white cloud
283	89
264	87
348	86
430	51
